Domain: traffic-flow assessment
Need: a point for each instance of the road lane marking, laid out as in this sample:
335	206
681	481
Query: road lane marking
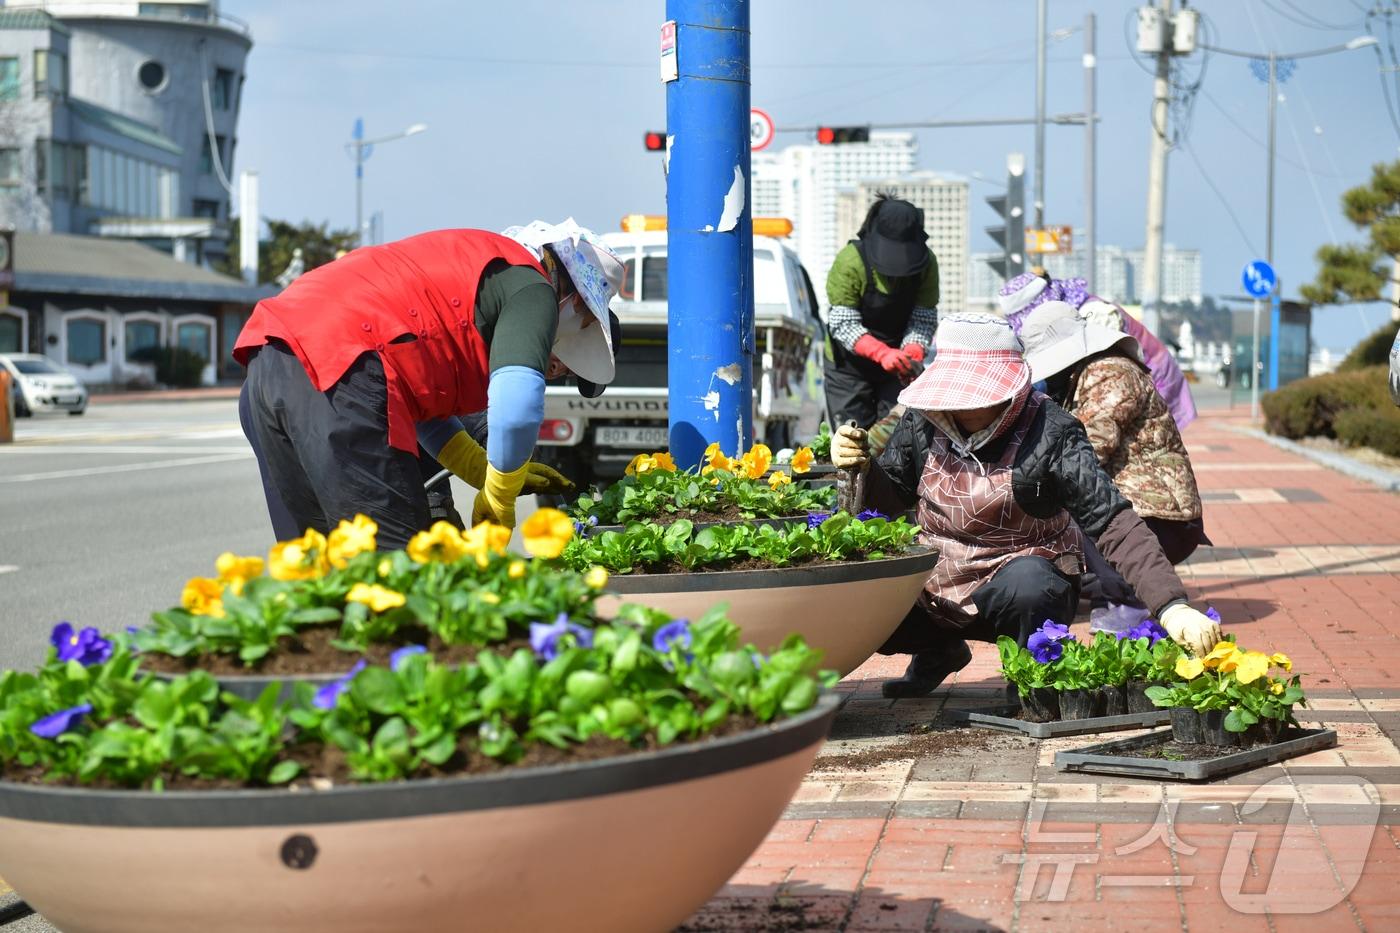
121	449
126	467
8	568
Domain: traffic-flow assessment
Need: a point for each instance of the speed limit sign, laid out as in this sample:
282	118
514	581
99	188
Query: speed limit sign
760	129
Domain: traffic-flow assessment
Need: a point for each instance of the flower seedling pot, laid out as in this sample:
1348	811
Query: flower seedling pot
1138	701
845	609
1113	700
1042	704
1186	726
635	843
1080	704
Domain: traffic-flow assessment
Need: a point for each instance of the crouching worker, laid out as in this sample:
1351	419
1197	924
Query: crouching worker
1000	475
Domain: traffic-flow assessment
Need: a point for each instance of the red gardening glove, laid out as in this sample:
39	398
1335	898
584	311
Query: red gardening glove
890	359
915	351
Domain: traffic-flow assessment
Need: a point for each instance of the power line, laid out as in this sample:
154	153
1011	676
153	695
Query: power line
1255	139
1310	21
1220	196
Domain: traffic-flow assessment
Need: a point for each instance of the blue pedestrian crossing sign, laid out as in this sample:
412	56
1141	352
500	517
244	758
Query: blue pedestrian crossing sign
1259	279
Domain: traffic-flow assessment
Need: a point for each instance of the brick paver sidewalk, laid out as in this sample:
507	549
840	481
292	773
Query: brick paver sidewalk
978	831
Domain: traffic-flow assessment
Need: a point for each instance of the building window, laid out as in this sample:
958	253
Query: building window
11	334
194	336
203	208
223	89
50	73
141	335
9	167
152	77
60	169
9	79
190	11
206	157
87	341
124	185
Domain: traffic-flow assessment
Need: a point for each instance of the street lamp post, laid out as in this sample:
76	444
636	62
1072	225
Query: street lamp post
1271	67
361	149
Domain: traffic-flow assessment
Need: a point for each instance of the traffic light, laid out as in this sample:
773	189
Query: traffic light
832	135
1010	235
655	142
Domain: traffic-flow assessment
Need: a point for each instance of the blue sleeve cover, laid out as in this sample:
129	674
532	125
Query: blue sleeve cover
436	433
514	410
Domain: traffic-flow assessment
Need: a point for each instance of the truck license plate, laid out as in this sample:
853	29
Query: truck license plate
650	438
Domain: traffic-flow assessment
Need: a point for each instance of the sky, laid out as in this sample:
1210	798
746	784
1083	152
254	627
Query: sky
537	109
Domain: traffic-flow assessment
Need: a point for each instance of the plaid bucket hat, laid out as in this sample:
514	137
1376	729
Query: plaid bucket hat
977	363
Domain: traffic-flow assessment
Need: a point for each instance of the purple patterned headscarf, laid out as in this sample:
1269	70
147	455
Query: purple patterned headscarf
1018	298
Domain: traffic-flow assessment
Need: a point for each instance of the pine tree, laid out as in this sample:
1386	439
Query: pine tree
1358	272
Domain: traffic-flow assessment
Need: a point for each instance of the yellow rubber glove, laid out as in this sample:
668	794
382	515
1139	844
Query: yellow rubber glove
543	480
465	458
496	501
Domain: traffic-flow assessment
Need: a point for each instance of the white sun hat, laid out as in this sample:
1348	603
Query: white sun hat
1056	338
597	273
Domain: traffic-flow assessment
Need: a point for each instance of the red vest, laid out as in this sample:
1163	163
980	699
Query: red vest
377	298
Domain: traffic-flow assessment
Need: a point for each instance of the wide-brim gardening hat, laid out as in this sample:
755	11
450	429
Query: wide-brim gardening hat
586	339
1056	338
896	243
977	363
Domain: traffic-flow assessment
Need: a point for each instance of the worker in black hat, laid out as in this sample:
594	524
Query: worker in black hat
883	290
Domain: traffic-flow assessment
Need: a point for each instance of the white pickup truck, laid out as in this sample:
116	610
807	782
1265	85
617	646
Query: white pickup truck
594	439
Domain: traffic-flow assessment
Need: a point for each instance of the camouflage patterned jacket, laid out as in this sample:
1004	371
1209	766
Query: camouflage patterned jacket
1135	437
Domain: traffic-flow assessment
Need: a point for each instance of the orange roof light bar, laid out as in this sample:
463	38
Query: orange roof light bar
762	226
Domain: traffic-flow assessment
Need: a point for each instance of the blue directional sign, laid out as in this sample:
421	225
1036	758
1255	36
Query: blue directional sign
1260	279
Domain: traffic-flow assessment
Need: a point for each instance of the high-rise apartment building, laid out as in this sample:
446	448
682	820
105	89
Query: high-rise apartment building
943	200
1119	274
802	184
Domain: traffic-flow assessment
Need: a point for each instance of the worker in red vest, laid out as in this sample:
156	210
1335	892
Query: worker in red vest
360	361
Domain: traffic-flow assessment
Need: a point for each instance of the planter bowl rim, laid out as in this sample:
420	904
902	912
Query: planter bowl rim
823	572
399	799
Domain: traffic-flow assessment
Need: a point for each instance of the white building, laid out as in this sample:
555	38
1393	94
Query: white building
943	200
802	183
1119	274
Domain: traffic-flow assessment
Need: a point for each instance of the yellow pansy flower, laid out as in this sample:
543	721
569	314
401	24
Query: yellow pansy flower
716	460
516	570
379	598
757	461
1189	668
488	597
1276	687
596	578
802	460
485	539
545	533
384	567
203	596
663	461
713	451
1220	654
301	558
636	462
350	538
1251	665
442	543
778	480
1282	660
234	571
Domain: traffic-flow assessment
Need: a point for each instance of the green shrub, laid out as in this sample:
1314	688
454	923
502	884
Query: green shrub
1308	408
1377	428
1373	351
176	366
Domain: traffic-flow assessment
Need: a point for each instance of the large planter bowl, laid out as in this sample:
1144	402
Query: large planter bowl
845	609
592	531
635	843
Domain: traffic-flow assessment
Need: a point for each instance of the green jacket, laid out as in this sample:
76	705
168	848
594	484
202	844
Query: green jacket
845	283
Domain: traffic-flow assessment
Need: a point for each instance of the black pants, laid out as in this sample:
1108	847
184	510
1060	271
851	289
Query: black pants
325	456
1015	602
1104	585
860	391
440	504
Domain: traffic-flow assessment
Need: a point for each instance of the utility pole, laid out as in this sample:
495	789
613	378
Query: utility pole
1040	114
1157	171
1090	152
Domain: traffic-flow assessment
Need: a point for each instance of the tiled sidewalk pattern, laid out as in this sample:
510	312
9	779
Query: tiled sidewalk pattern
984	834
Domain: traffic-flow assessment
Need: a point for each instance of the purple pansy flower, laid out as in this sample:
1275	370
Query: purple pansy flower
866	515
672	634
815	519
544	639
1212	615
1044	643
87	647
325	697
1147	628
398	657
55	724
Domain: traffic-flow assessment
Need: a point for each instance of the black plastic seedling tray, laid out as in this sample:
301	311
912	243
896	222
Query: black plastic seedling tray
1001	719
1108	757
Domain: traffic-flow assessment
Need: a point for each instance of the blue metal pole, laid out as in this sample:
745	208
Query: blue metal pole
710	330
1275	327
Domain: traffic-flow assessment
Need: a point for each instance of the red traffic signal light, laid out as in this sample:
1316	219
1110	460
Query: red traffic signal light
655	142
830	135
